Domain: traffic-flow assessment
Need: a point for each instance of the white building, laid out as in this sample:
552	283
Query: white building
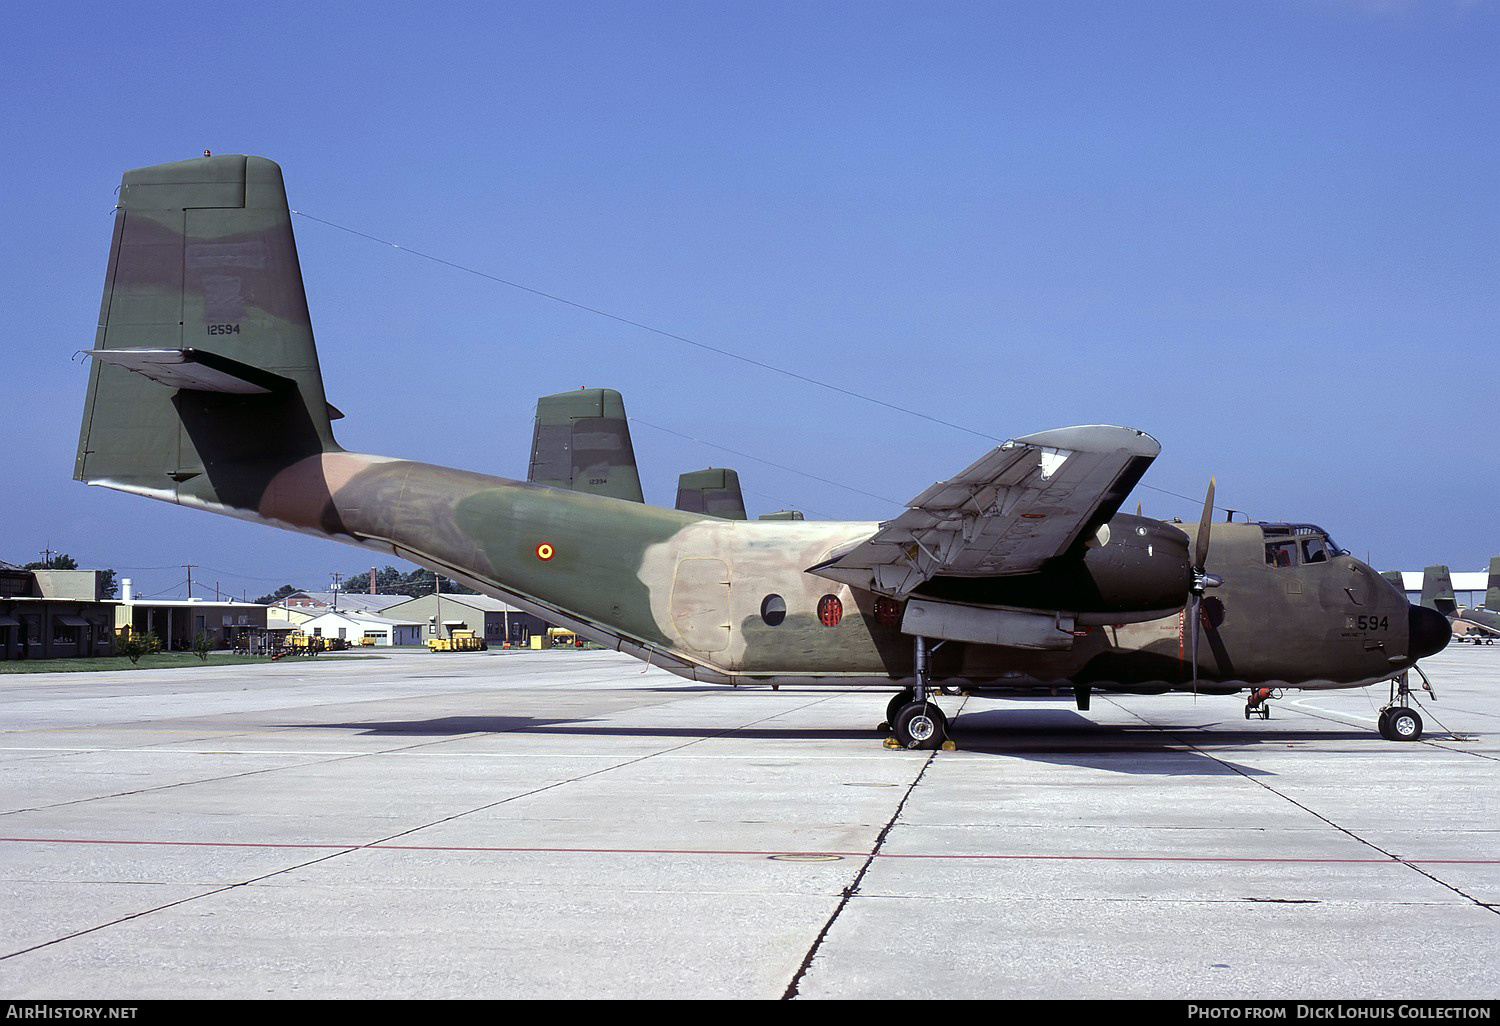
355	627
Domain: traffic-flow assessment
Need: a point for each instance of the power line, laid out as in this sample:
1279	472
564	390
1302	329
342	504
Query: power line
692	342
646	327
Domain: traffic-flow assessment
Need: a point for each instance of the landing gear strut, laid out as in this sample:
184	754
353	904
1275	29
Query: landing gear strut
1398	721
916	721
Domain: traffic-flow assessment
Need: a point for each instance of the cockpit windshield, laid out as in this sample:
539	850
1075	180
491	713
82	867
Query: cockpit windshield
1296	544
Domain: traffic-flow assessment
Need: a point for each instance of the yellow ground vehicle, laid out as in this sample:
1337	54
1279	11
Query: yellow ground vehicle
302	643
459	641
561	637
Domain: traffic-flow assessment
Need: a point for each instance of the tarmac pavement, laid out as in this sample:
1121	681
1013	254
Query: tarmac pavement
573	825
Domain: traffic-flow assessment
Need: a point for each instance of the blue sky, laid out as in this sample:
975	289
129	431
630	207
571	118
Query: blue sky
1264	232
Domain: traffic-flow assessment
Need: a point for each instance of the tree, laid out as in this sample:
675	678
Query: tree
390	581
139	643
61	561
277	595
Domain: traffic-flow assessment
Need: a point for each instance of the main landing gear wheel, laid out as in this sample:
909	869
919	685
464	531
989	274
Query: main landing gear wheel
920	725
901	698
1400	724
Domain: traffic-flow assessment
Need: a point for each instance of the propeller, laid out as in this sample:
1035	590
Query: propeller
1202	579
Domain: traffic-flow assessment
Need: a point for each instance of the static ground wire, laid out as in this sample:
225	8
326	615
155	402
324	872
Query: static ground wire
689	341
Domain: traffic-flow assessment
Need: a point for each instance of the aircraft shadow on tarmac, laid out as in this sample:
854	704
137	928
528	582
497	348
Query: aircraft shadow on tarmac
1058	727
458	725
1047	735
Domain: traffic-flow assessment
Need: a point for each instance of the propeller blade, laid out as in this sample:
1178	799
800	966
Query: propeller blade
1200	553
1197	622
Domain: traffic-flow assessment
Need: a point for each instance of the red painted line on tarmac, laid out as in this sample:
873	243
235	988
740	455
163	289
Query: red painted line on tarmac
730	851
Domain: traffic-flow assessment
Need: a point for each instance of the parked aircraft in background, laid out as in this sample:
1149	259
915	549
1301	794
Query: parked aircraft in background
1477	624
1483	622
1017	572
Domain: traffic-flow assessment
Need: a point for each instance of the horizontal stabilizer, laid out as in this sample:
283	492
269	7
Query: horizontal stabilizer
194	369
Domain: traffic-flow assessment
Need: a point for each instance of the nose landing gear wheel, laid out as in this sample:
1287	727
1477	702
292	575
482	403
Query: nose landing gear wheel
920	725
1400	724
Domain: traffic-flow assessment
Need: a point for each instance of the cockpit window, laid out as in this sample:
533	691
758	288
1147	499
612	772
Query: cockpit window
1281	553
1294	544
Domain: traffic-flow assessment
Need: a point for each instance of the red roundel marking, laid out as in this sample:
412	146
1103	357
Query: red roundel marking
545	551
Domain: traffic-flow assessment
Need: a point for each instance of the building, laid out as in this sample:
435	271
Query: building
53	614
178	622
1468	588
364	628
489	618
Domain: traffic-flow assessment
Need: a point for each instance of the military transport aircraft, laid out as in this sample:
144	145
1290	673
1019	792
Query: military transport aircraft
1479	624
1019	571
1482	623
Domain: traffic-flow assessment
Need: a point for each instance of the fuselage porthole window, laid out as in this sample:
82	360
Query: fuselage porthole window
773	610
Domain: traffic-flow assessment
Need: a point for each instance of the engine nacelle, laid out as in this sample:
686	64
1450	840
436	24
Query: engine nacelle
1138	569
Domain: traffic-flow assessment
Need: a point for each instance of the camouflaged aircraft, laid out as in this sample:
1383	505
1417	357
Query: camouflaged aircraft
1017	572
1482	623
1477	624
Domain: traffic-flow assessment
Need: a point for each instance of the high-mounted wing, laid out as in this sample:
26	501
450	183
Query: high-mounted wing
1021	504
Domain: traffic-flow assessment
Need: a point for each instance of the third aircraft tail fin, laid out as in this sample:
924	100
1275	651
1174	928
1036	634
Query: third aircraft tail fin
1437	590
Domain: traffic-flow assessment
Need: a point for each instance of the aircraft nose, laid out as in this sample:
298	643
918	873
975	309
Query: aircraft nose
1427	631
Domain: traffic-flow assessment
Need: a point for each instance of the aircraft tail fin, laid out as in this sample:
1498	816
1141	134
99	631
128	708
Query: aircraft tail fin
1437	590
1492	593
582	442
715	492
205	379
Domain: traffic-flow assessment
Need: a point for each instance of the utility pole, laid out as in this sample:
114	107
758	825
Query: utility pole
189	567
337	580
